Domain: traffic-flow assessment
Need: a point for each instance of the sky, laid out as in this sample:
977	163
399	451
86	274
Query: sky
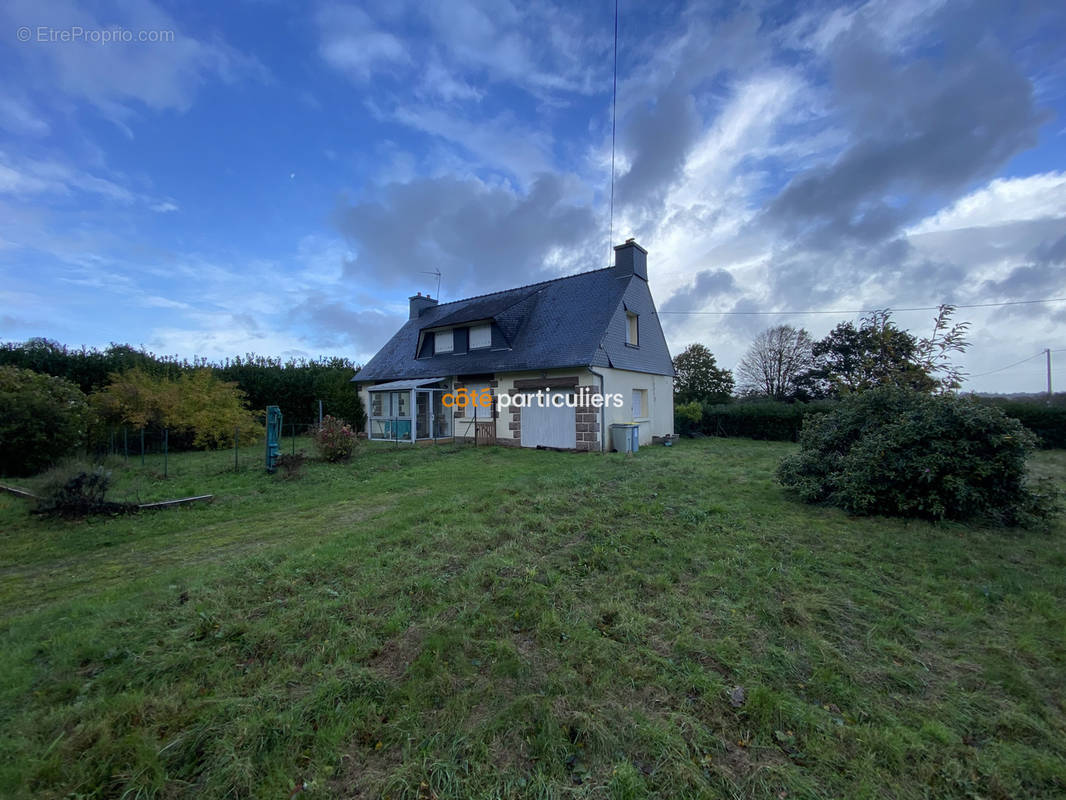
216	179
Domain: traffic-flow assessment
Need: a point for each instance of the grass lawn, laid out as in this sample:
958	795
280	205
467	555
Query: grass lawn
457	623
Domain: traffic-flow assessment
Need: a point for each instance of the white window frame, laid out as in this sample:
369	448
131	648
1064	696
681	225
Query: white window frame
632	329
468	408
437	341
481	329
639	396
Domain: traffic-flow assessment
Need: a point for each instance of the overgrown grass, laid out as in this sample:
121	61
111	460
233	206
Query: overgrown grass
453	623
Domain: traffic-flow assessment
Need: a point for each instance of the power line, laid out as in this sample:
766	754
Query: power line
868	310
614	124
1001	369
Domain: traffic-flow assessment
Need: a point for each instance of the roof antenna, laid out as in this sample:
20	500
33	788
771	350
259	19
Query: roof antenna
614	124
436	272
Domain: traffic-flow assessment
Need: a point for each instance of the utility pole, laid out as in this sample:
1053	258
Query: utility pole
1048	353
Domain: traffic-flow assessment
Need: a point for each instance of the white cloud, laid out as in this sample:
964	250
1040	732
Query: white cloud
1002	201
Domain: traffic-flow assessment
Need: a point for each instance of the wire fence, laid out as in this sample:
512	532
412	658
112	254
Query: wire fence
165	453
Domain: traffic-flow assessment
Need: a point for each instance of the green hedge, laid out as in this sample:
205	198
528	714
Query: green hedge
759	420
1047	422
767	419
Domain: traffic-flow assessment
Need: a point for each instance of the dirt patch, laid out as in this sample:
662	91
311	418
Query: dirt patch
394	657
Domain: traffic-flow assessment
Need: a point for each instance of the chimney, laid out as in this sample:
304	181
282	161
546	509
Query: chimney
420	304
630	259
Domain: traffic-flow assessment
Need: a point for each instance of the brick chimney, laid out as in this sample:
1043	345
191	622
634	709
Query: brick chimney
630	259
420	303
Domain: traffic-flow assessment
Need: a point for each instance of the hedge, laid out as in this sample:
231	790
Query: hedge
767	419
759	420
1047	422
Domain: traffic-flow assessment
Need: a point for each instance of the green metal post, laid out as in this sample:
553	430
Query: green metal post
142	447
236	440
166	449
126	443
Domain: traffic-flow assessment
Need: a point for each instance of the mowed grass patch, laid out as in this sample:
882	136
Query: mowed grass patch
458	622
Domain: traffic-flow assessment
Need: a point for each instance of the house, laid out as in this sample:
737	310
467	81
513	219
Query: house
552	364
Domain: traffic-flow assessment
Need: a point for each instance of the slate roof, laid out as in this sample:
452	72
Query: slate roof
565	322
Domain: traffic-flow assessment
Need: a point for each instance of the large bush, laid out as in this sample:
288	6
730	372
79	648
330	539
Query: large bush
904	453
42	419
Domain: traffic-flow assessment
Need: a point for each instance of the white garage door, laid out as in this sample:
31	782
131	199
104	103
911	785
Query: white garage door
547	426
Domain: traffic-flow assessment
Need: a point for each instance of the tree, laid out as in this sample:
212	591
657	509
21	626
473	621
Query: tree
854	359
934	353
197	402
775	361
698	377
42	419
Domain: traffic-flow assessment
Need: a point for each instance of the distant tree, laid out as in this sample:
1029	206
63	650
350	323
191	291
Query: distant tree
699	378
856	358
775	361
42	419
878	353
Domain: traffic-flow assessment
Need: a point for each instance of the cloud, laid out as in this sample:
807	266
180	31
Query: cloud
1002	201
483	237
27	177
19	117
118	77
352	43
332	323
924	127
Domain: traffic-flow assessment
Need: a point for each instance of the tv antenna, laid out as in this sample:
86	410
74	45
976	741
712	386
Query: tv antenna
437	273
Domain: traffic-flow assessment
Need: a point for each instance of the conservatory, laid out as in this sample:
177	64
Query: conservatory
409	411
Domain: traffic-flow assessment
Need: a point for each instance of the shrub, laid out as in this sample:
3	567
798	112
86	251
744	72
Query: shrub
687	418
78	493
900	452
196	403
42	419
334	439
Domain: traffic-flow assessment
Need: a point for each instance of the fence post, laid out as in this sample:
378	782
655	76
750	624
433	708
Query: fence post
166	449
294	438
236	446
320	413
142	447
126	443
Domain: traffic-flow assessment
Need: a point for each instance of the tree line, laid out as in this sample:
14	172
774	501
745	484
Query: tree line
785	363
56	400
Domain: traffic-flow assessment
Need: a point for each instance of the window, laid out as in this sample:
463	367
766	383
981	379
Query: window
483	412
442	342
377	404
631	328
640	403
480	336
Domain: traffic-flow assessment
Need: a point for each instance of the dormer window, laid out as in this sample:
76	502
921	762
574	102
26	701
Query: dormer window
631	329
442	342
480	336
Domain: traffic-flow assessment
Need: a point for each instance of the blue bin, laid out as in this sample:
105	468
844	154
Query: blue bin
635	433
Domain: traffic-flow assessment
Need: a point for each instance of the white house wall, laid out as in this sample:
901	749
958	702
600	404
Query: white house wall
660	389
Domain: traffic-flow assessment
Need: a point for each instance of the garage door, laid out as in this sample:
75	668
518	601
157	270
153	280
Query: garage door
547	426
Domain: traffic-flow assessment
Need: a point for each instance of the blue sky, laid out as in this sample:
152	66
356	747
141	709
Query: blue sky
277	177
